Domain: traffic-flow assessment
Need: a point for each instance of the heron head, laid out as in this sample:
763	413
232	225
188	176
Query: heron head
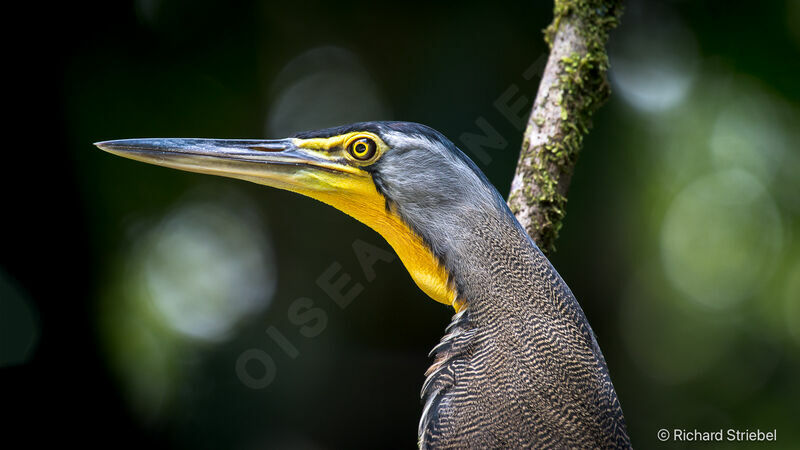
404	180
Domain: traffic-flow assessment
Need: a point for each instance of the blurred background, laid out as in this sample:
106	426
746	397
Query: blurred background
142	306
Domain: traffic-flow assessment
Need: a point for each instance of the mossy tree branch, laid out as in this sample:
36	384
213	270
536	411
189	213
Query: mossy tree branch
573	87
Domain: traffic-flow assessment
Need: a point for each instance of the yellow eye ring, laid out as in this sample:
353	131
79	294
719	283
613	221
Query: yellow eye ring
362	149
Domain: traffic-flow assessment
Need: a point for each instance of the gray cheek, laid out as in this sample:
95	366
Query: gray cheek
437	196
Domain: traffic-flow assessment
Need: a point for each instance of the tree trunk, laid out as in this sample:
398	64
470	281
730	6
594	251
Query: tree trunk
573	87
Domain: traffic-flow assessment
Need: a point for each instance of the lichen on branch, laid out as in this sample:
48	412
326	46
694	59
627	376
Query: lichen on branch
573	87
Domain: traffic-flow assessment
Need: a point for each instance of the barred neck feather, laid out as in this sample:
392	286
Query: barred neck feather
520	365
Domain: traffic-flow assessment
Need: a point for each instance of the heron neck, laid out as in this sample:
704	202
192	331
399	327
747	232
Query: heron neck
494	263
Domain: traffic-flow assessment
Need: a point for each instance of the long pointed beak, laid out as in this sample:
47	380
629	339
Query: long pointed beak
275	163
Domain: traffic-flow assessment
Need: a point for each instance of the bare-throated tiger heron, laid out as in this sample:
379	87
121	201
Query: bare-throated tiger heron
519	366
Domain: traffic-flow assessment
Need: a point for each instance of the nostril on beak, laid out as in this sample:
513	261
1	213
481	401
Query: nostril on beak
267	146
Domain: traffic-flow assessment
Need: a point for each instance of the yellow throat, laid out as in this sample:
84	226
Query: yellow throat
364	203
354	193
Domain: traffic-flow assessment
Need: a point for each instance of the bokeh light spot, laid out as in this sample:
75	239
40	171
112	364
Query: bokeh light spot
749	135
188	279
792	302
653	57
323	87
19	324
720	237
206	266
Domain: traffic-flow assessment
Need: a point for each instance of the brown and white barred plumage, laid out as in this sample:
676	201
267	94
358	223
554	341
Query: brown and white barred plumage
519	367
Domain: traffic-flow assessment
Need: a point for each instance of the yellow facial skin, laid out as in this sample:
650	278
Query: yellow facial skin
320	168
355	195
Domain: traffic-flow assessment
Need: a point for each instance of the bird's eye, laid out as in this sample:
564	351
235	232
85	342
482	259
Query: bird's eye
362	149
